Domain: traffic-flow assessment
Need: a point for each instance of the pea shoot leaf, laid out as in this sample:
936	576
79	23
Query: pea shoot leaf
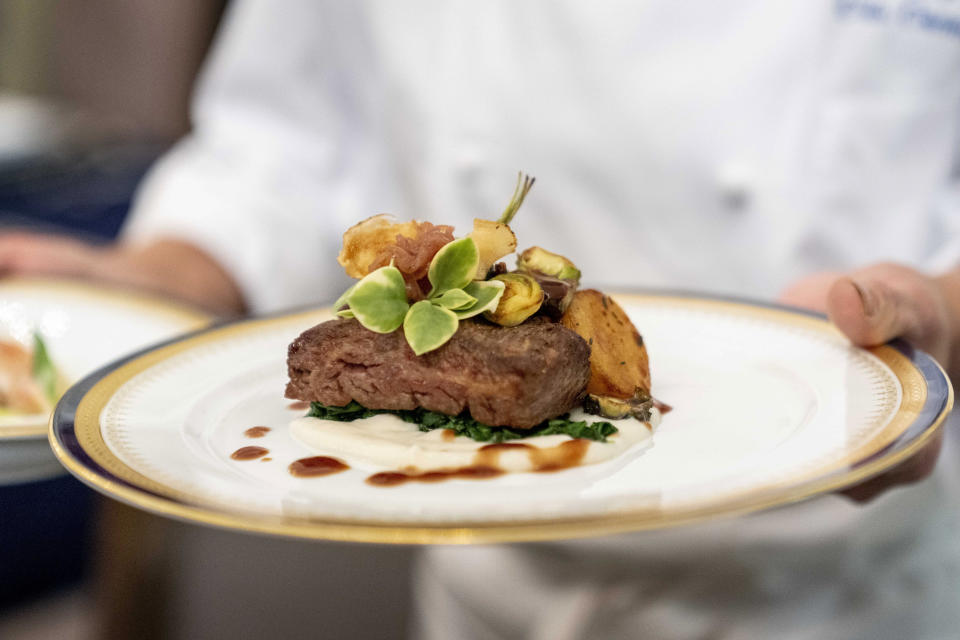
454	266
428	326
487	294
454	299
379	300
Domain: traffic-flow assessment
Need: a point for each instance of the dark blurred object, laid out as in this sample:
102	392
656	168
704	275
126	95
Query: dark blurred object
90	94
160	579
131	574
84	193
129	66
44	538
133	61
45	527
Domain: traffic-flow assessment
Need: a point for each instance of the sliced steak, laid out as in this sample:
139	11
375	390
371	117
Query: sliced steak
517	377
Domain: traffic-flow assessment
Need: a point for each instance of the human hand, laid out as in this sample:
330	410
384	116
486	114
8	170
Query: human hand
876	304
167	267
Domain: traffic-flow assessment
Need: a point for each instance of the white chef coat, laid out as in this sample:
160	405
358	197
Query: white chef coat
716	146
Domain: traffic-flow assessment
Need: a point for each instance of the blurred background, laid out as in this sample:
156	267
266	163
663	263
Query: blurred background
90	94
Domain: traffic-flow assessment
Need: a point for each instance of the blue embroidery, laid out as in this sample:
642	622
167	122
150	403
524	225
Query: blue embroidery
922	16
940	17
860	10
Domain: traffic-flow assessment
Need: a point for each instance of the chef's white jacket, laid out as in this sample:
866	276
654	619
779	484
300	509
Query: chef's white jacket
728	147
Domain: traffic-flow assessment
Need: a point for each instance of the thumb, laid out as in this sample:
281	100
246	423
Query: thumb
868	311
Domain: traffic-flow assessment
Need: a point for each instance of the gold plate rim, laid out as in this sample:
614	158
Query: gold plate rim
136	490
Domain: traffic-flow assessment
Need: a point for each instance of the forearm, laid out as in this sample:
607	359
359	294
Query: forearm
166	266
176	269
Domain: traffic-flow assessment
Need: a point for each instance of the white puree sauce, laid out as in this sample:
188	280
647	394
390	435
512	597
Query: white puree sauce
387	441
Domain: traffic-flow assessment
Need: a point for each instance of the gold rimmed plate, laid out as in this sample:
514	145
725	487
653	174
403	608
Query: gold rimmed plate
771	406
83	326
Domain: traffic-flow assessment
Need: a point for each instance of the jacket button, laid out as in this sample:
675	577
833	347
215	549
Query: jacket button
735	182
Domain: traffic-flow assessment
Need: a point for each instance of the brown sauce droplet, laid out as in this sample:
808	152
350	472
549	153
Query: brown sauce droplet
299	405
316	466
489	455
256	432
449	435
249	453
563	456
388	478
394	478
265	459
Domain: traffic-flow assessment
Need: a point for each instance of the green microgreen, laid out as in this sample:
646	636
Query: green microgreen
455	299
453	266
43	370
428	326
379	300
487	294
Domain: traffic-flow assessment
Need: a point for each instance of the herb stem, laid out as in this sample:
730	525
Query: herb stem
524	184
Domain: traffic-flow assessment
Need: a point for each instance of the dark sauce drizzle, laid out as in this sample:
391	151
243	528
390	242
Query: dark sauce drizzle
316	466
486	463
249	453
394	478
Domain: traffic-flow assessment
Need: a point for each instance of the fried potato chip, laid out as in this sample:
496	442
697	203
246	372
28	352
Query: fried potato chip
365	240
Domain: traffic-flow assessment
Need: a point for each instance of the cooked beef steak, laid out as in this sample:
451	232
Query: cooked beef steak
517	376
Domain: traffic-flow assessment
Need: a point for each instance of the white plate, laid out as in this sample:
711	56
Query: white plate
770	406
84	327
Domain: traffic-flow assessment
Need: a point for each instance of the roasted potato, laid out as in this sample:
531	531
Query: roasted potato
618	358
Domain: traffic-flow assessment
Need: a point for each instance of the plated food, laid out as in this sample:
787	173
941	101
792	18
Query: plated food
445	363
29	381
813	414
81	327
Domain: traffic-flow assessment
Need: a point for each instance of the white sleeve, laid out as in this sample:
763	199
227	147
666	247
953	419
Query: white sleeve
945	231
252	185
944	223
